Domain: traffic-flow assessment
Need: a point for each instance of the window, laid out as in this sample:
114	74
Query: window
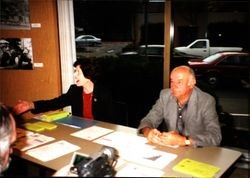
199	44
124	26
139	23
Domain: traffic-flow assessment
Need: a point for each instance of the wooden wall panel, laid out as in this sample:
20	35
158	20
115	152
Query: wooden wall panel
40	83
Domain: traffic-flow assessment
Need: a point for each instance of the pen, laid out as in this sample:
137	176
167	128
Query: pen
74	126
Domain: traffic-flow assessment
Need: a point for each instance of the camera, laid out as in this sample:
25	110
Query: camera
101	164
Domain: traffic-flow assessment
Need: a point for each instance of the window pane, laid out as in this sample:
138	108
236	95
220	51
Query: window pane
133	66
129	64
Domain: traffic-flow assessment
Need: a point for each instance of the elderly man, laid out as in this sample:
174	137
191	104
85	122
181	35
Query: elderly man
7	136
189	114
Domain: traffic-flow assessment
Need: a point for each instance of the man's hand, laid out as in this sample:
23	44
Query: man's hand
172	138
153	135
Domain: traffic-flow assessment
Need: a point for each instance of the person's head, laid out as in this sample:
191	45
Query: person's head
84	70
182	82
7	136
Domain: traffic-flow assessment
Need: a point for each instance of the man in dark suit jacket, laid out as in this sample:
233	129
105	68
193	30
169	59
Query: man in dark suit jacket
188	113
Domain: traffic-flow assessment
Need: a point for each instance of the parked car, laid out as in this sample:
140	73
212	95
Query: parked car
202	48
87	40
223	67
153	50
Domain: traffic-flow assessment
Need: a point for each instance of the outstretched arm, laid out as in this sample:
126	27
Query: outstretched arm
23	106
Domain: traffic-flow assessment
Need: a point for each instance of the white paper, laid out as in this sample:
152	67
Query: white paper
122	140
27	139
92	132
135	149
133	170
148	157
53	150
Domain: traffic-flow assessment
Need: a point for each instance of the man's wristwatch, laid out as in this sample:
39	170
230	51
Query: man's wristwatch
187	141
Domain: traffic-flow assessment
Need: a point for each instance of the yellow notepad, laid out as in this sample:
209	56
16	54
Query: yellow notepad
196	168
46	125
33	127
39	126
55	116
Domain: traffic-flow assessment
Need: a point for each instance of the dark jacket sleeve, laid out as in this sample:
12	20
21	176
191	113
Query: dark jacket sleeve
71	98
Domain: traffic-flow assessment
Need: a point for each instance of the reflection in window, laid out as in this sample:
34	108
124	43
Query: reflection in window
199	44
212	57
126	25
116	27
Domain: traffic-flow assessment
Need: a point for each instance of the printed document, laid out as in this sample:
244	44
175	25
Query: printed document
53	150
27	139
92	132
135	149
135	170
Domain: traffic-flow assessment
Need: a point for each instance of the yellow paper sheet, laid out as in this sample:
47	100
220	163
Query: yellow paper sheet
196	168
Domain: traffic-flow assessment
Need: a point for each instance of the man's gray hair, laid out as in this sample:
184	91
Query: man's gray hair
6	128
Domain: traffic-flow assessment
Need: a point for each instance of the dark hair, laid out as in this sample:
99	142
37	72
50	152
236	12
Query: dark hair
89	68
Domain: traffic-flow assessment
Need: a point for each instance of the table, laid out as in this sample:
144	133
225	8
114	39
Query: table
221	157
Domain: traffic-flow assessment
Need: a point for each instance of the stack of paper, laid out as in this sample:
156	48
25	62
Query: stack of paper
55	116
39	126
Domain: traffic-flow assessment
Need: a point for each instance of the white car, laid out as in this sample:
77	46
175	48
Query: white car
87	40
153	50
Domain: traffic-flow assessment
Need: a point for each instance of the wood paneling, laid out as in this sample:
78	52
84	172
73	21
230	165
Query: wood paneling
40	83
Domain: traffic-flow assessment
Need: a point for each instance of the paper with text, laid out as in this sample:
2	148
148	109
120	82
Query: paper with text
53	150
148	157
27	139
135	148
196	168
92	132
121	140
133	170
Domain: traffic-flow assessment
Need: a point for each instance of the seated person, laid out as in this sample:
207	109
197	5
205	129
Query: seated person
188	113
86	98
7	137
